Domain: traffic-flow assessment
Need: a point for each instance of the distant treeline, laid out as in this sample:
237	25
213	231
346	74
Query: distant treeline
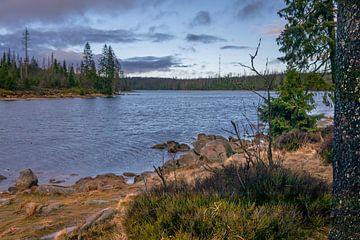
18	73
223	83
246	82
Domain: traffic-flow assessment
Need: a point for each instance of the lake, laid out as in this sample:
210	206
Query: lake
84	137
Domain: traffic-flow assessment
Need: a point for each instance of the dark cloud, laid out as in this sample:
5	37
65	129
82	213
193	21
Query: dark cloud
13	12
149	64
188	49
233	47
68	37
203	38
202	18
160	37
246	9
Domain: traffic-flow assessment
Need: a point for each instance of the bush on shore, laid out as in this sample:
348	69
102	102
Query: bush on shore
234	203
293	140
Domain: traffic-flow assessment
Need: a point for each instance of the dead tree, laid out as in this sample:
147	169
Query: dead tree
25	40
267	99
346	148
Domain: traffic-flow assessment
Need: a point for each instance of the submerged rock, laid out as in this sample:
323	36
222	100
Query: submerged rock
2	177
26	180
172	147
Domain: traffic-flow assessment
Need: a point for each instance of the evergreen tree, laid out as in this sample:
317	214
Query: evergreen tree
108	69
290	110
308	40
346	148
88	68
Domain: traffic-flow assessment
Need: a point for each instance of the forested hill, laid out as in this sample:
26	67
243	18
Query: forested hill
312	81
223	83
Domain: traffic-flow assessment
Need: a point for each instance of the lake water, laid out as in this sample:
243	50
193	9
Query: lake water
57	138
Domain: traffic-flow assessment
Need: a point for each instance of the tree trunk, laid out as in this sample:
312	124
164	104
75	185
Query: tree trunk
346	185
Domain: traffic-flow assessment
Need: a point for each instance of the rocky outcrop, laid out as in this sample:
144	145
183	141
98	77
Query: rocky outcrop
33	208
54	190
203	139
100	182
98	218
26	180
172	147
216	150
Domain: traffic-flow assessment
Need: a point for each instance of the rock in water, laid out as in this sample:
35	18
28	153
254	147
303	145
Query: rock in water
26	180
2	177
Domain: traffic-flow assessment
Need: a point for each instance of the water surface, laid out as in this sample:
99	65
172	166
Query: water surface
57	138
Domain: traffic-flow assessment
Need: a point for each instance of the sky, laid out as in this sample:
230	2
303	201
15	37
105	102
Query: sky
152	38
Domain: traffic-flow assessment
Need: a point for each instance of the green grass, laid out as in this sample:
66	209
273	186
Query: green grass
275	204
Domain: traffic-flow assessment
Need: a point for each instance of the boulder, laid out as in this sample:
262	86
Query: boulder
32	208
47	209
98	218
100	182
188	159
216	150
159	146
203	139
26	180
54	190
172	147
183	147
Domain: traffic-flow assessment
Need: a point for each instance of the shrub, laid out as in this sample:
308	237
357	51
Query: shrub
294	139
267	204
325	150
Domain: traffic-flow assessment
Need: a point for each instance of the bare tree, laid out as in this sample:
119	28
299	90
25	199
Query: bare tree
346	148
25	39
267	99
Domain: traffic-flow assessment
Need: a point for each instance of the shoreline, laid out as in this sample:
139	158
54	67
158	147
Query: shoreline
47	94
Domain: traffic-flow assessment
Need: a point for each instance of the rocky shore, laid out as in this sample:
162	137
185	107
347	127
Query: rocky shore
98	204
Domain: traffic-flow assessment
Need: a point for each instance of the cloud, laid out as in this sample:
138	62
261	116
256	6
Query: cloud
233	47
203	38
273	29
68	37
160	37
14	12
249	9
149	64
188	49
202	18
